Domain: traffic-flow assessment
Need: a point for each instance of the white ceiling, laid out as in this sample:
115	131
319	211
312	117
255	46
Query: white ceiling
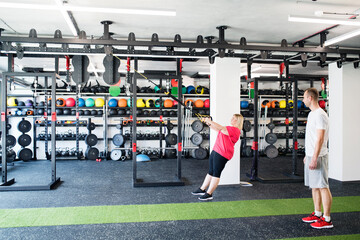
260	21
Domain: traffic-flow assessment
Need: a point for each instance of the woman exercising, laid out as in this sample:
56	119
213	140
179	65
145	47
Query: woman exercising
222	152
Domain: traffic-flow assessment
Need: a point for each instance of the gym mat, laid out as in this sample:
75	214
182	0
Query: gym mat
30	217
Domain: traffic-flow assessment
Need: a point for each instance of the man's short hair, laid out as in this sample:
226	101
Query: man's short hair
313	92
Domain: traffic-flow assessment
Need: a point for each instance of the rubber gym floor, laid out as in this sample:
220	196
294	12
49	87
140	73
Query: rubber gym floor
96	200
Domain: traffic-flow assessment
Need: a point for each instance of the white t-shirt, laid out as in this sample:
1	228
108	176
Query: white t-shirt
317	119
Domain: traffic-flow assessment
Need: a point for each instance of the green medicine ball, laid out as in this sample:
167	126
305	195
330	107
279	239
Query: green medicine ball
89	102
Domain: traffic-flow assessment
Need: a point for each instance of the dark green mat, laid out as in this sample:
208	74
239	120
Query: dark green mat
335	237
31	217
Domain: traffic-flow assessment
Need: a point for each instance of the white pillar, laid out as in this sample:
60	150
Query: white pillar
224	103
344	116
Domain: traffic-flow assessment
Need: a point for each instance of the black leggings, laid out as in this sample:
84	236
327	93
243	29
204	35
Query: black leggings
216	164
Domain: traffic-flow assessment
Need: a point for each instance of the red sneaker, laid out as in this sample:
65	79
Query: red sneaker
321	223
311	218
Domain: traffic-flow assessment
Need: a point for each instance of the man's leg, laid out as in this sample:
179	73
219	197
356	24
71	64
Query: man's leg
316	195
326	201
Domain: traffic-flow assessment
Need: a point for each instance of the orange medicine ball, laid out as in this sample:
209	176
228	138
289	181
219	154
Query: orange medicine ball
168	103
189	102
199	103
122	103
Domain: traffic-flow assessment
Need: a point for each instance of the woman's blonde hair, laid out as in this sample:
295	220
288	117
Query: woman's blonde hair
240	121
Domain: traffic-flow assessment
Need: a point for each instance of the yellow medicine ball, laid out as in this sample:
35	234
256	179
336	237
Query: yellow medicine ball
99	102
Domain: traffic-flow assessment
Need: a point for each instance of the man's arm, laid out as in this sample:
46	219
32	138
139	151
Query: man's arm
320	140
215	126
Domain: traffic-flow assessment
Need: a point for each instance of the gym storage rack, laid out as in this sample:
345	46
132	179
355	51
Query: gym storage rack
6	185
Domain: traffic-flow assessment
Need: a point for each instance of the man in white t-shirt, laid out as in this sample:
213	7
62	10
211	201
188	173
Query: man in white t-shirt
316	161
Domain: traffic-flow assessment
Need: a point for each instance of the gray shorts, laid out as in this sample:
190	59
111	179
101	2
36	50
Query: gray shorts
317	178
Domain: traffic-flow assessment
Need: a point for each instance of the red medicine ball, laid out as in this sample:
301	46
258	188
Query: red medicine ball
70	102
207	103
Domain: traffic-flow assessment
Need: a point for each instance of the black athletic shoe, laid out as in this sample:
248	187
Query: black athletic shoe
206	197
198	192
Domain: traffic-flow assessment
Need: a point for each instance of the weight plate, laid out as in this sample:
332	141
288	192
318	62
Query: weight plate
271	151
10	141
115	154
24	140
91	140
271	126
24	126
171	139
170	153
200	153
248	152
91	126
10	155
247	126
170	126
197	126
25	154
118	126
197	139
8	126
118	140
92	153
271	138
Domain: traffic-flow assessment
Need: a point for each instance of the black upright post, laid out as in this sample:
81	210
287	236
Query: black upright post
134	92
179	137
287	115
53	128
3	127
295	127
254	169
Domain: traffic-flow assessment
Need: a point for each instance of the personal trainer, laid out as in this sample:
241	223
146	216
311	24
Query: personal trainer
222	152
316	161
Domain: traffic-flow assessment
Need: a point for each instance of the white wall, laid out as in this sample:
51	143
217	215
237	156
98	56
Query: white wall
224	102
344	160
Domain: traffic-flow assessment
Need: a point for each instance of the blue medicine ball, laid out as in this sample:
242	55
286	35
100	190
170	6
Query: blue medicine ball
190	89
81	102
300	104
113	102
244	104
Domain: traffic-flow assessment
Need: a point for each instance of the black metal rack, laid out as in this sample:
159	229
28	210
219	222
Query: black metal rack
6	185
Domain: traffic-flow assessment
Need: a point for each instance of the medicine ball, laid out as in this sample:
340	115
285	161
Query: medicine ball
299	103
244	104
87	112
140	103
122	103
199	103
199	90
129	102
150	103
59	111
190	89
40	111
28	103
112	102
113	111
265	103
60	102
70	102
322	103
282	104
12	102
121	112
207	103
81	102
291	103
21	103
81	112
93	112
99	102
73	112
67	111
175	103
157	89
89	102
275	104
168	103
100	112
189	103
158	103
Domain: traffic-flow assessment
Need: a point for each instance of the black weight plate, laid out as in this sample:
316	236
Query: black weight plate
197	126
271	151
271	138
271	126
10	155
118	139
170	126
10	141
200	153
247	126
91	126
248	152
25	154
24	126
171	139
197	139
92	153
24	140
91	140
170	153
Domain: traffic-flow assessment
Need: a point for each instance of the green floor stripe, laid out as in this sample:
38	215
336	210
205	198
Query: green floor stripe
30	217
335	237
